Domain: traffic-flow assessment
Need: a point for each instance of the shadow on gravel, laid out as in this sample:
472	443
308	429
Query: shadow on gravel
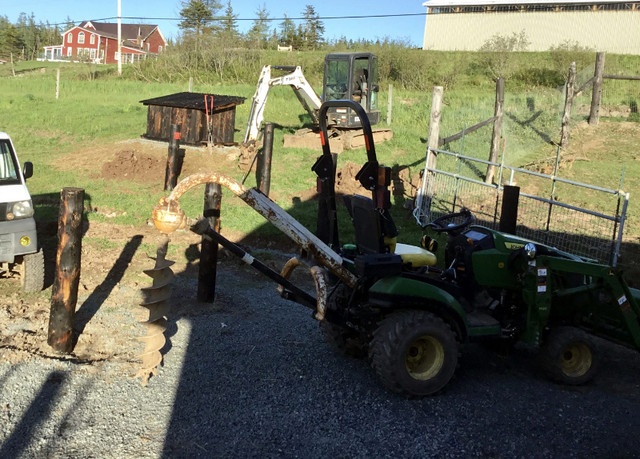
38	411
92	304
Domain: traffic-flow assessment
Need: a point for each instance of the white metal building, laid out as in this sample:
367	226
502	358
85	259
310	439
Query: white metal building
605	25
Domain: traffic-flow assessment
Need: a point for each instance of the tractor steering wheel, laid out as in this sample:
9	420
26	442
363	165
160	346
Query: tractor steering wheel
445	223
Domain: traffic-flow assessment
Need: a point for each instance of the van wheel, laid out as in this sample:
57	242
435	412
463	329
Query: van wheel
570	356
32	272
414	352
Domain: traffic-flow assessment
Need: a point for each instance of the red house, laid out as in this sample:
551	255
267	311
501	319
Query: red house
97	42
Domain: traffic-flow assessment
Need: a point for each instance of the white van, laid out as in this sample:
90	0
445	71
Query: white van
19	252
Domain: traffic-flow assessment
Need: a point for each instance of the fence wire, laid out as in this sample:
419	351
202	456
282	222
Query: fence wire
561	219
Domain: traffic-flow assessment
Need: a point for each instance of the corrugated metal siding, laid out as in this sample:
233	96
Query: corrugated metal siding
608	31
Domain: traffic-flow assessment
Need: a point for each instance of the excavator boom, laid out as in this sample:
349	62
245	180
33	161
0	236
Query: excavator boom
294	78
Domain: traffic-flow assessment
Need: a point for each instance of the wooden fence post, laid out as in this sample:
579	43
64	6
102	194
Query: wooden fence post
497	130
434	125
209	248
389	104
64	294
432	143
596	97
174	161
568	102
263	170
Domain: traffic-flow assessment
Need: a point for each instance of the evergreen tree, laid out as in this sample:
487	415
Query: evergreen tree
258	35
228	25
288	34
30	36
312	30
10	42
198	16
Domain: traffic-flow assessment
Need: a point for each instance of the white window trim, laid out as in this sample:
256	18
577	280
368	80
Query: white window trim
81	38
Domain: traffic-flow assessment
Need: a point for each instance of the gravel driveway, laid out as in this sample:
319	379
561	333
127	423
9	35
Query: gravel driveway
251	377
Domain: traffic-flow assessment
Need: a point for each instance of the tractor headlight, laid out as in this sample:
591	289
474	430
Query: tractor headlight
530	250
19	209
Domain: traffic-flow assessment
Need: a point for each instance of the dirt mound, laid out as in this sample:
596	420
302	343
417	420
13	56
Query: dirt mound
131	163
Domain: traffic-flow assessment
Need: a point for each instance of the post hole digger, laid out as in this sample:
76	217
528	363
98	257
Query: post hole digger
389	301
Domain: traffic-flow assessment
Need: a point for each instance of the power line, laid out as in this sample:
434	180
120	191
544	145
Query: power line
220	18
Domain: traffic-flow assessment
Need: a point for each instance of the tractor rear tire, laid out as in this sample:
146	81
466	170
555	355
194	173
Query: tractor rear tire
414	353
32	272
570	356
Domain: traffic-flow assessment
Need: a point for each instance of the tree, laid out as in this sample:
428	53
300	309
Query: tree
198	15
288	35
258	35
497	53
311	32
10	41
228	25
29	36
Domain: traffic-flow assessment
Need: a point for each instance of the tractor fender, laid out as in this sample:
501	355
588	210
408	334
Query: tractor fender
398	292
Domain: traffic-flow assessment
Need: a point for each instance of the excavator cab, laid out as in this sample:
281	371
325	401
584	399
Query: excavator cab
352	76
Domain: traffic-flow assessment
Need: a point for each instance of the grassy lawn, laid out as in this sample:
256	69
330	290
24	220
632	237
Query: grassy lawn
98	111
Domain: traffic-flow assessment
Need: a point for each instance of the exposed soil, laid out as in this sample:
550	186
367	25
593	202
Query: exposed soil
108	311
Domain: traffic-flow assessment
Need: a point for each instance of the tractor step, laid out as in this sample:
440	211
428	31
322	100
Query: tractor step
482	324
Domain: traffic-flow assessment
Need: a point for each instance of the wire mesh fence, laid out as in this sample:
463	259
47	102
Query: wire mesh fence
567	217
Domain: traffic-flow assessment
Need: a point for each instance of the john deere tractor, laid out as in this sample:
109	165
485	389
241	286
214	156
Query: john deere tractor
410	313
411	317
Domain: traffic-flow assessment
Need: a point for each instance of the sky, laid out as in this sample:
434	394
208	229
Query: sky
406	28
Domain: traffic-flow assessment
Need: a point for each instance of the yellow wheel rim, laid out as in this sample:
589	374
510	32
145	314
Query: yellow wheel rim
424	358
576	360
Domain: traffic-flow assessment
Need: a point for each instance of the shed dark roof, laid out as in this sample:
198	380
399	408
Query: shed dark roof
193	100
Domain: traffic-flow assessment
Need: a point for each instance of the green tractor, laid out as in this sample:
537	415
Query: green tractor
412	318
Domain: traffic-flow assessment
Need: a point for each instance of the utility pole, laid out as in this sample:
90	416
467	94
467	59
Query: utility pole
119	37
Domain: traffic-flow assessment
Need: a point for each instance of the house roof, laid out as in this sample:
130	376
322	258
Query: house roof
453	3
129	31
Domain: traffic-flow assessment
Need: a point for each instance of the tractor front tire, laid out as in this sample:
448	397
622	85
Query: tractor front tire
570	356
414	353
32	272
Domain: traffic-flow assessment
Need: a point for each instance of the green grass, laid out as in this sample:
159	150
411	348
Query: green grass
107	109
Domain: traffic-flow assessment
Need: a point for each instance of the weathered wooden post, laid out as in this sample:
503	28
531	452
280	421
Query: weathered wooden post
432	144
389	104
596	97
497	130
434	125
57	83
64	294
568	102
173	160
209	248
263	169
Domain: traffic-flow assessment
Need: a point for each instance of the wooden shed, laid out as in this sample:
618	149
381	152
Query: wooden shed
187	109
